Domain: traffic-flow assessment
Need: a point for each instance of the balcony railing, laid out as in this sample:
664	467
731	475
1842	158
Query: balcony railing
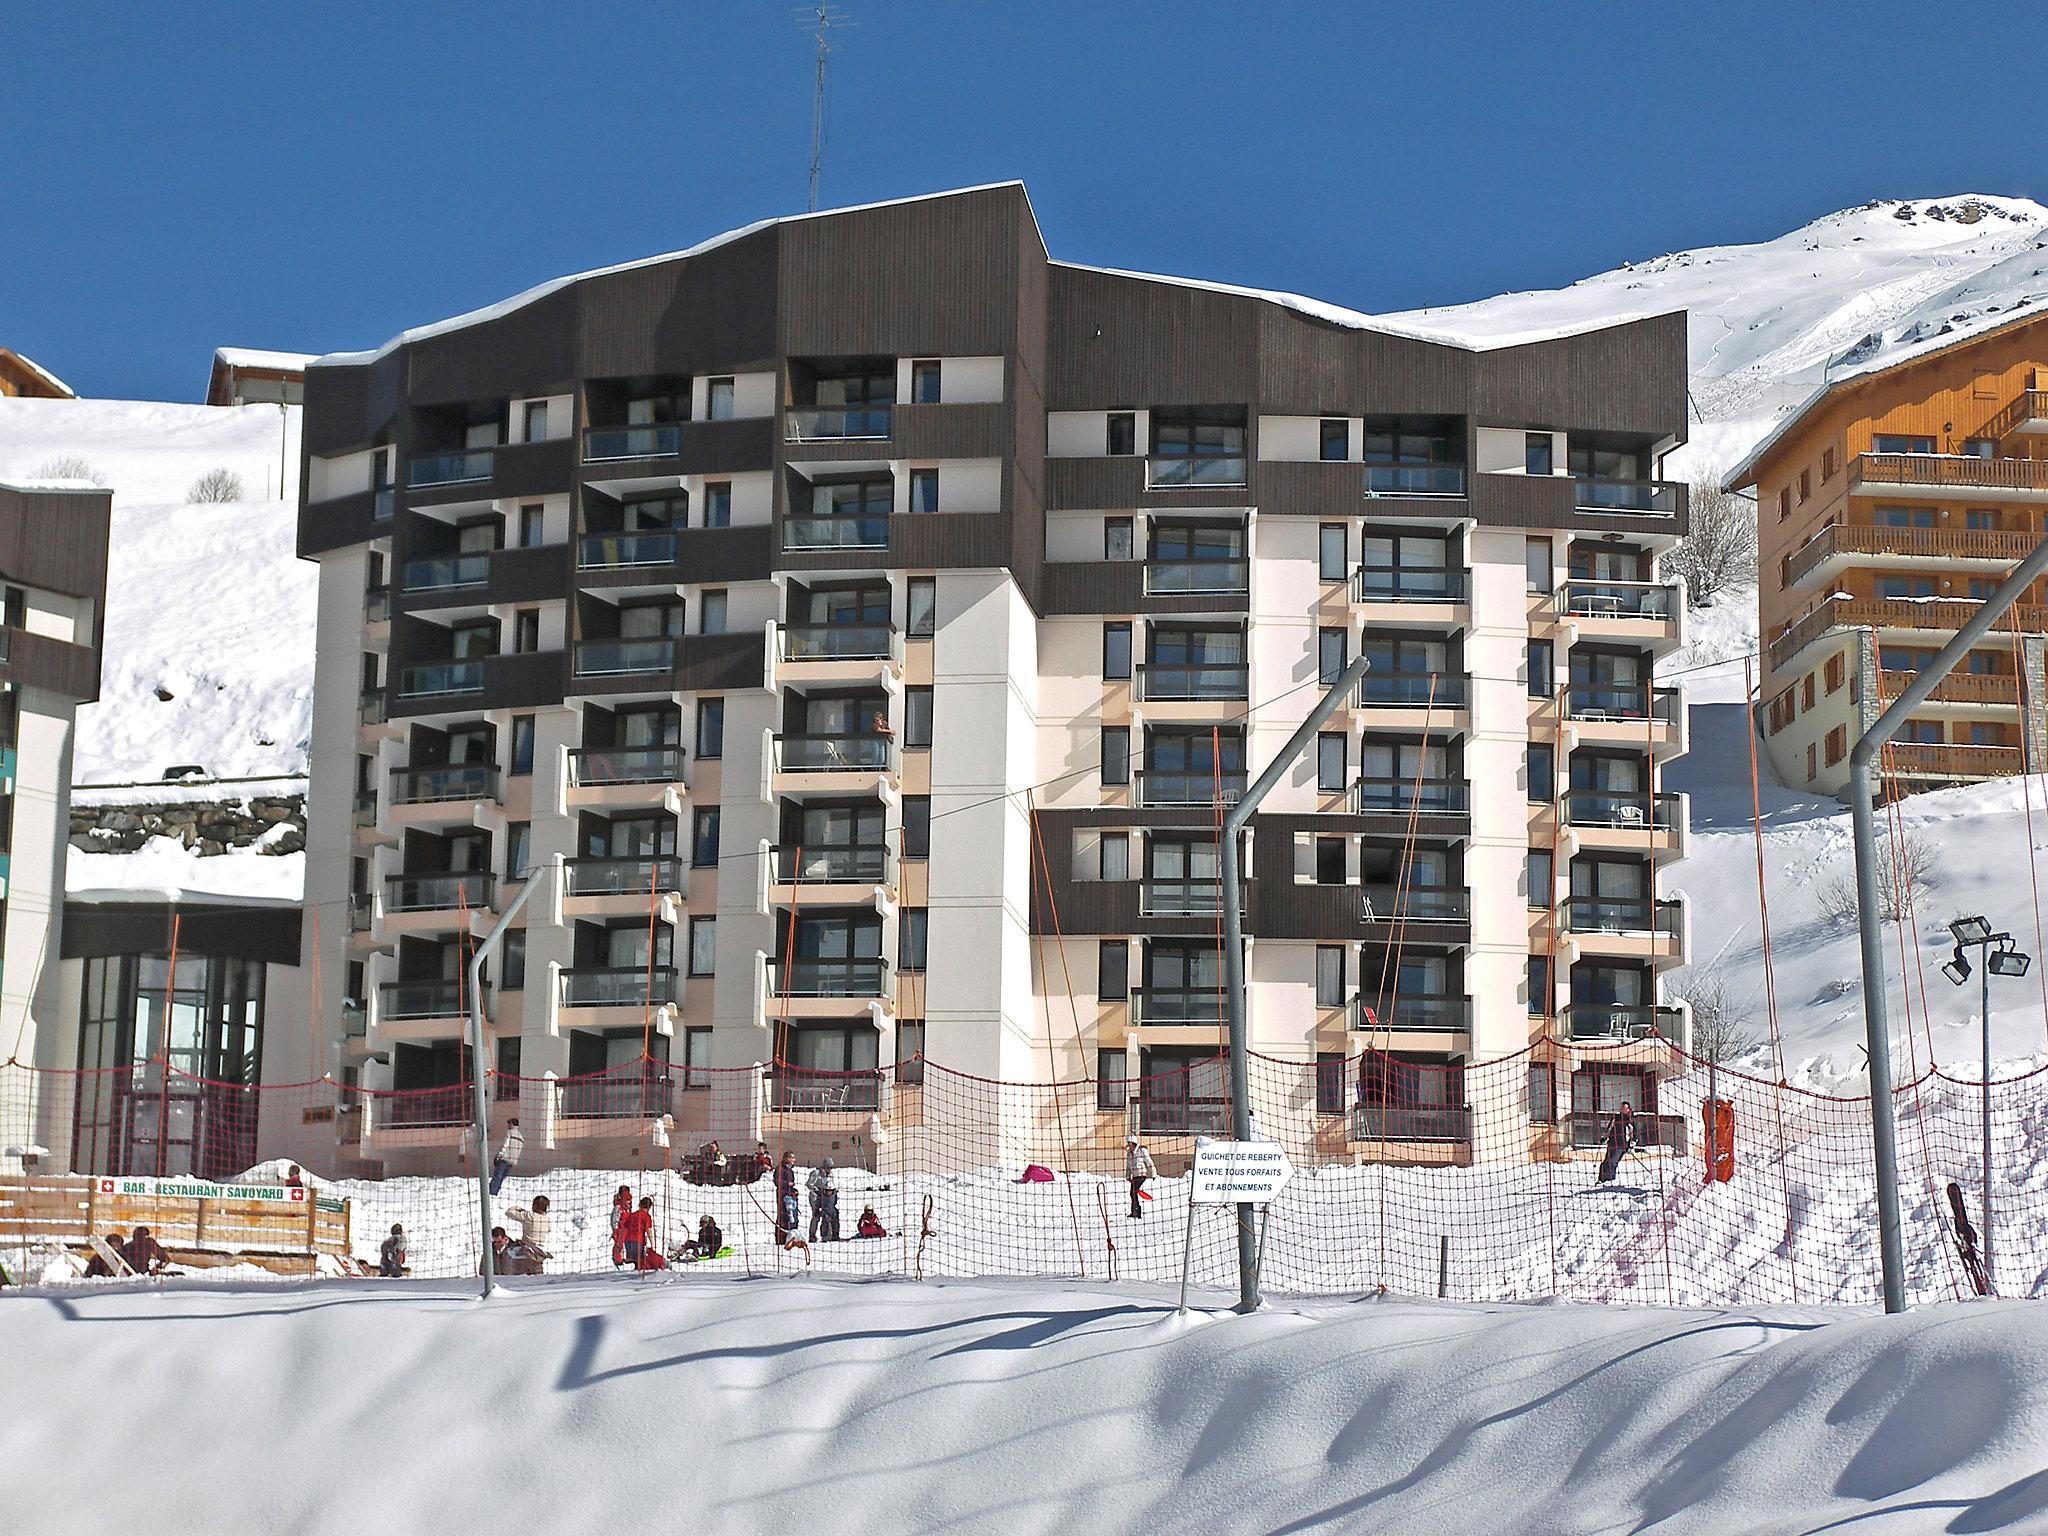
366	808
625	551
1414	479
859	865
1415	1013
1426	797
1198	578
1166	1115
1410	690
376	605
798	1089
1585	599
1621	701
1623	1021
866	977
1171	682
1177	1005
456	781
1404	1122
1408	584
619	986
383	504
837	423
622	877
1656	498
362	914
1166	471
644	442
1625	808
451	468
447	999
838	642
441	677
422	1108
1993	545
1589	1129
641	1091
1156	787
1415	904
1988	688
1957	471
835	754
1621	915
442	574
1176	897
437	893
625	658
862	532
1930	760
593	766
1931	615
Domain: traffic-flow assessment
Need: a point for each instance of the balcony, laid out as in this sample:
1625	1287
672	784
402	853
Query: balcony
1411	1013
601	767
814	866
643	878
1967	690
1160	682
1631	810
1409	584
1951	763
448	782
1403	1122
366	808
437	469
837	424
840	642
1905	616
1624	1021
835	754
1622	915
1198	578
440	999
446	574
621	986
1602	702
1651	600
799	1090
1172	472
362	914
1415	904
383	505
1410	690
652	655
626	551
1588	1130
1645	498
1445	480
371	707
1163	788
1844	545
822	533
1943	475
1162	1114
1410	796
601	444
472	890
1162	897
440	678
377	605
639	1092
444	1108
1176	1007
867	977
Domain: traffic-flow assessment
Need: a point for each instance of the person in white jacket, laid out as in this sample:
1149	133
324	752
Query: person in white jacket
1138	1167
509	1152
530	1249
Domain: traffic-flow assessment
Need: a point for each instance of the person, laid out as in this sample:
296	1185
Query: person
636	1230
97	1268
1138	1167
787	1213
509	1151
710	1164
622	1207
879	726
531	1249
293	1179
824	1202
708	1240
501	1253
145	1254
752	1168
1621	1140
870	1224
391	1256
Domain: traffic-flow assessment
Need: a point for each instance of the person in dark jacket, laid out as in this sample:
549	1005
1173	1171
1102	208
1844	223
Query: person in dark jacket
96	1267
391	1256
501	1252
748	1169
1621	1140
707	1242
145	1254
636	1230
788	1208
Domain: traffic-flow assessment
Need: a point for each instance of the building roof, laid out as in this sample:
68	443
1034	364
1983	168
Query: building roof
38	371
253	357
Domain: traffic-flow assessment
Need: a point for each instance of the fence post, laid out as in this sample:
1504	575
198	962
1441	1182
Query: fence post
1443	1265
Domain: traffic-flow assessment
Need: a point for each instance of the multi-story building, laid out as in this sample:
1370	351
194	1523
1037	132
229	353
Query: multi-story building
781	592
1891	503
53	579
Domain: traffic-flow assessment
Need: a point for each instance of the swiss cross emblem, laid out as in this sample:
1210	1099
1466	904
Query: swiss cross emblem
297	1194
106	1186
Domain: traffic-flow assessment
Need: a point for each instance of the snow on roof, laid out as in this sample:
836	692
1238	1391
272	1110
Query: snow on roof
40	371
254	357
31	484
163	869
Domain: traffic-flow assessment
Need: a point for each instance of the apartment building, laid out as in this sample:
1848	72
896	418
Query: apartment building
1888	506
859	622
53	578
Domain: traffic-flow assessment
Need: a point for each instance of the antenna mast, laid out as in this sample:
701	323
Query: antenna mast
823	19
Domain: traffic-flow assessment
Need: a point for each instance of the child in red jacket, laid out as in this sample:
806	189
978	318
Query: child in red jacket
636	1230
622	1207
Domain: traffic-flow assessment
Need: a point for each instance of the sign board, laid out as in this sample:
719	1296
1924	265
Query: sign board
198	1189
1238	1172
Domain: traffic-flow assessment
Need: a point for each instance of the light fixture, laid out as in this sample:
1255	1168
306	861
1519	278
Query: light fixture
2006	962
1957	968
1970	930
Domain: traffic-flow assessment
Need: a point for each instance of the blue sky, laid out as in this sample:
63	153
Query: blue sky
173	178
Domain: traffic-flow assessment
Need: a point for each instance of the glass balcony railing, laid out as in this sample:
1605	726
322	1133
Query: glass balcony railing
447	999
1170	682
867	977
644	442
429	786
1415	903
362	914
1195	578
1164	471
1408	584
1621	701
1410	690
835	754
1615	599
1622	1021
619	986
376	605
1589	1129
1403	1122
1160	896
798	1089
1414	479
1422	796
835	533
471	889
1177	1005
838	642
439	575
837	423
1172	787
622	877
371	707
1414	1011
1170	1114
1657	498
860	865
463	468
441	677
383	504
641	1090
621	658
623	551
366	808
1621	915
1620	808
594	766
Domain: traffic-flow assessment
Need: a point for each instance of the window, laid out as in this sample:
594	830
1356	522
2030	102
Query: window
1329	861
1122	434
924	490
1983	735
1893	442
1542	673
1542	767
1536	565
1781	711
536	421
1333	551
1116	754
1539	984
1812	762
1838	745
532	527
1109	1081
917	717
1116	652
703	945
917	826
1537	456
526	631
522	744
1119	539
718	400
711	613
1784	505
924	606
704	837
518	849
1336	439
1827	464
697	1056
1979	447
1903	517
924	382
711	727
1542	1093
506	1086
1542	880
1927	732
515	960
1805	484
910	934
1330	1082
1329	975
1330	761
718	504
1116	856
1806	693
1112	971
1983	520
1330	654
1837	673
1981	588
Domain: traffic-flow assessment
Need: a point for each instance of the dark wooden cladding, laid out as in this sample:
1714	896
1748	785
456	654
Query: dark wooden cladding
721	661
339	523
725	447
231	930
1118	341
57	666
1551	501
1277	906
529	575
918	541
696	314
56	540
524	680
1107	484
1118	586
725	554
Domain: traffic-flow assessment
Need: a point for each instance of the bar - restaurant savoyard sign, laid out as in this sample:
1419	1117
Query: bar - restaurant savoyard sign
196	1189
1238	1172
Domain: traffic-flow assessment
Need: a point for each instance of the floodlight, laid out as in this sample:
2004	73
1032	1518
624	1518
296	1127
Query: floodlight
1957	968
1970	930
2006	962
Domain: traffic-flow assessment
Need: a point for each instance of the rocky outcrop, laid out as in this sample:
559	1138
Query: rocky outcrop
270	823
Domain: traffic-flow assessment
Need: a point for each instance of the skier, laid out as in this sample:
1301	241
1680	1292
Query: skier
622	1207
1138	1167
824	1202
1621	1140
531	1249
509	1152
787	1211
636	1229
391	1256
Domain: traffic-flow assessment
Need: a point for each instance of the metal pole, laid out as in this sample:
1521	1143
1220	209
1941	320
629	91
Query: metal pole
1233	957
1876	1028
480	1127
1984	975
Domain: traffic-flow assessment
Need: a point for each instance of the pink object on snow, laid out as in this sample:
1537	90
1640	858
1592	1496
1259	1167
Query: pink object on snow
1035	1174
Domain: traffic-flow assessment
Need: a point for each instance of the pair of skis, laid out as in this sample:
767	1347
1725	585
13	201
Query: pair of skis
1966	1241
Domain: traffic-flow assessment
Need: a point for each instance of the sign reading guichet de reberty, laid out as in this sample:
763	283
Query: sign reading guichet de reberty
1238	1172
198	1189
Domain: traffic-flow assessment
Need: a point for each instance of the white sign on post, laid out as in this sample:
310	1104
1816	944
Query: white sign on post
1238	1172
